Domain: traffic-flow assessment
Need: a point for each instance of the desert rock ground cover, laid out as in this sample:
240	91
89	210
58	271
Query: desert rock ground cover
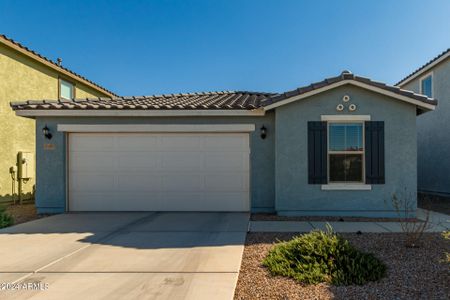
412	273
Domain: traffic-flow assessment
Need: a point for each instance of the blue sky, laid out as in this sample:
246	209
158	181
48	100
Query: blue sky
153	47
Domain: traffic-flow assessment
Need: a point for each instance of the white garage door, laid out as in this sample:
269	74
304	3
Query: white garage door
158	171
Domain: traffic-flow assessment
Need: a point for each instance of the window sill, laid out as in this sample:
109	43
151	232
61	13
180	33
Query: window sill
346	187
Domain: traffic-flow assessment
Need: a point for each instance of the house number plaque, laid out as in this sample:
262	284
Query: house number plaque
49	146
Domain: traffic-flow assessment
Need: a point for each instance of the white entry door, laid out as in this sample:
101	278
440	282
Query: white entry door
158	171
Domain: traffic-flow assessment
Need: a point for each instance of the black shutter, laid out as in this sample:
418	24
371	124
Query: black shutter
374	147
317	152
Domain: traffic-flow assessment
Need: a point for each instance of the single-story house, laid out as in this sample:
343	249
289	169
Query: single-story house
340	147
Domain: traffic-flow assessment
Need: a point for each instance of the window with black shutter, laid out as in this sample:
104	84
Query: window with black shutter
346	152
374	144
317	152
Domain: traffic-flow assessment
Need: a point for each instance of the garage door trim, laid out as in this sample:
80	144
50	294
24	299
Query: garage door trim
117	128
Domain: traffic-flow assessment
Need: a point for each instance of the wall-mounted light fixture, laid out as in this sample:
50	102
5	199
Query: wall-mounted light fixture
46	132
263	132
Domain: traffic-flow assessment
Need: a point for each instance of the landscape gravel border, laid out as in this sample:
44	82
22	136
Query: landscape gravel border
413	273
274	217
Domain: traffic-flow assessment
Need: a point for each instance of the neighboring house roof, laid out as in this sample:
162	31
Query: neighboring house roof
48	62
221	100
426	67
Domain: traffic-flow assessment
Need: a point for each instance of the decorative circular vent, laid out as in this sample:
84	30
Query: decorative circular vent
346	98
352	107
340	107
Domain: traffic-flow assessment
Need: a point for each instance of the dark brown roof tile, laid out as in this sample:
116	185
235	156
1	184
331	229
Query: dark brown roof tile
211	100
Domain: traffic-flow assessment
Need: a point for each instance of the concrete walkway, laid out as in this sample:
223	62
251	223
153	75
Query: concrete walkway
438	222
124	256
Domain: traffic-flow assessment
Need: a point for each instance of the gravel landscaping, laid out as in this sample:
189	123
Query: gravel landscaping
23	213
274	217
413	273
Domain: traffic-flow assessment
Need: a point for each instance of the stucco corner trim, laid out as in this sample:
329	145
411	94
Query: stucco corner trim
345	117
346	187
156	128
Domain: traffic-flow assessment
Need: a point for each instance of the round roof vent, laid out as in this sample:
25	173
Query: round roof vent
346	72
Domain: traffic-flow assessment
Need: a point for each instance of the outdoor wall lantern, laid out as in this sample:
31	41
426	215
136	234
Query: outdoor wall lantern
263	132
46	132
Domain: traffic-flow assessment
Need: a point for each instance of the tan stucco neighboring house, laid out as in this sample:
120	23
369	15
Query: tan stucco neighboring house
25	74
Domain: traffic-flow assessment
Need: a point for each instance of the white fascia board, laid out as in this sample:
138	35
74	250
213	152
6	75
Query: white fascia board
345	117
136	113
426	106
306	95
229	128
424	70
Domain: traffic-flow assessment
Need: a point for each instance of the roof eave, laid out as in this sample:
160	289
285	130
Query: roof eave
419	104
33	113
426	68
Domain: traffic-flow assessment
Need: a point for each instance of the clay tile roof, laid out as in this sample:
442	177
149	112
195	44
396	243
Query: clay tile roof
37	55
236	100
347	75
211	100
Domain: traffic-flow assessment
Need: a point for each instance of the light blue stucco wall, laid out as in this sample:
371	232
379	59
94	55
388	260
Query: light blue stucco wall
294	196
51	173
278	163
433	130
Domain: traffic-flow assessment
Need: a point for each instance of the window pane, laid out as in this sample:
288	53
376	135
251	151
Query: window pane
346	137
426	86
66	90
346	168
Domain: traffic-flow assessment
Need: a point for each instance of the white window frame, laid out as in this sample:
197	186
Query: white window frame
60	82
346	185
422	78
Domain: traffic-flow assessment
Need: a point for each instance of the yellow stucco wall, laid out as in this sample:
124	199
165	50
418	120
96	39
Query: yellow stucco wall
22	78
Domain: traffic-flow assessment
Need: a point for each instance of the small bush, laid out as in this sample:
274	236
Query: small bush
446	235
321	256
5	219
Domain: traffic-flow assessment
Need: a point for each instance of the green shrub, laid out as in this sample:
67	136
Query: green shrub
5	219
321	256
446	235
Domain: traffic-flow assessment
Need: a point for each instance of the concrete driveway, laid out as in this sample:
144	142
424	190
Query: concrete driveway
123	255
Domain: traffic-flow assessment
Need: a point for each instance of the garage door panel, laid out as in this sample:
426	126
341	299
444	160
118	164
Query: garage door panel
182	161
226	142
136	142
116	201
180	143
92	161
226	161
235	182
158	172
140	182
92	142
139	161
90	181
183	183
